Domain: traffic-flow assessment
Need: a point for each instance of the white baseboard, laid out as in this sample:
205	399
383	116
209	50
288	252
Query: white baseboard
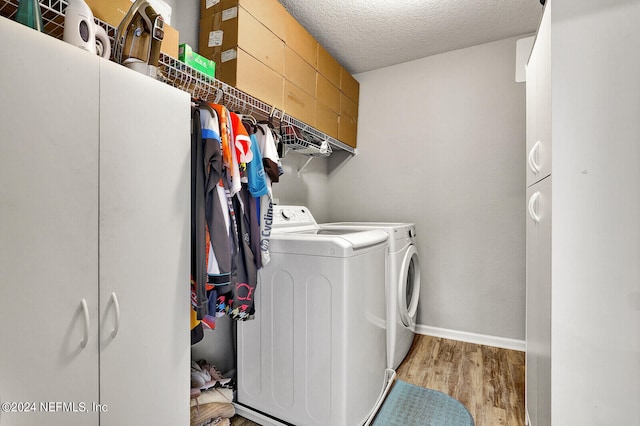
479	339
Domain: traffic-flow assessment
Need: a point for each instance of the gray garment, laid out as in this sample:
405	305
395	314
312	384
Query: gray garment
243	307
254	223
198	240
218	230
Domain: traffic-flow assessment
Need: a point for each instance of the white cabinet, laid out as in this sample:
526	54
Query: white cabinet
583	278
538	231
94	201
48	228
538	324
539	104
145	130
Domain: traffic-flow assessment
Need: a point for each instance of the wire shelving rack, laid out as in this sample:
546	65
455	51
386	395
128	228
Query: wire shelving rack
296	135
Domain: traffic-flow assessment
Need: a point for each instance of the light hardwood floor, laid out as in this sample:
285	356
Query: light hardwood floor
488	381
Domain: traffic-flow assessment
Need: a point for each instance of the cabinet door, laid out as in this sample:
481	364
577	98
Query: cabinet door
48	229
538	317
539	104
144	249
532	101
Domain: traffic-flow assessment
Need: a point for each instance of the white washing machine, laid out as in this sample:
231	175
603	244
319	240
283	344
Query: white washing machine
402	284
315	352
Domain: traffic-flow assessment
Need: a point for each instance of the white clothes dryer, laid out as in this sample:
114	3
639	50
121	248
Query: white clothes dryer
315	352
402	284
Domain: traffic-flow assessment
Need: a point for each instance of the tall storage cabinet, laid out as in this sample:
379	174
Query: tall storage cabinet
94	260
144	248
538	230
48	227
583	266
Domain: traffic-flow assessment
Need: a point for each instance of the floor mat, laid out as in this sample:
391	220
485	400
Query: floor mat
410	405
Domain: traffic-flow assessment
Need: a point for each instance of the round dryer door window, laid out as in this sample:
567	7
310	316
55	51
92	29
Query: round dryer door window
409	287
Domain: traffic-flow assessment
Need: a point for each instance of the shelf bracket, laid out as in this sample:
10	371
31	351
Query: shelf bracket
304	165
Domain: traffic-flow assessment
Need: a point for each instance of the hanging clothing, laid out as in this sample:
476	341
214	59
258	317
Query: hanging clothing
271	160
197	331
258	188
198	244
255	170
242	305
242	142
227	141
221	249
235	167
269	150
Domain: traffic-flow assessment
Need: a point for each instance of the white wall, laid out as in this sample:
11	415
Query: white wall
441	143
310	188
185	17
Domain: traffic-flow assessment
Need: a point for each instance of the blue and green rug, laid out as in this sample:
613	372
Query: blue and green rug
410	405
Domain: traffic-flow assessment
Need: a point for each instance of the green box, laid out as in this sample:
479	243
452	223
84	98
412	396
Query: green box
195	61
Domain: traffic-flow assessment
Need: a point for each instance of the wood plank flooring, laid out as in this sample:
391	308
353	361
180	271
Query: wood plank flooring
489	381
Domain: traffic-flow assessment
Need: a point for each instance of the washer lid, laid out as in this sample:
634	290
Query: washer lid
367	224
334	244
400	234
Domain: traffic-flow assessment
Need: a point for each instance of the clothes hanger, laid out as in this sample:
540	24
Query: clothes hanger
205	105
219	96
248	117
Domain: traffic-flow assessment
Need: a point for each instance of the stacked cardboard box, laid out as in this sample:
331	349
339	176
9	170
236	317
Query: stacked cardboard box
262	50
247	54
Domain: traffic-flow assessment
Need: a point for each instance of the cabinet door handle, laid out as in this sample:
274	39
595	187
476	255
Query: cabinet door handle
535	167
85	311
532	212
116	305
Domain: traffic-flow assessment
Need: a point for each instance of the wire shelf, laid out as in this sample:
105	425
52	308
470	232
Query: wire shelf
297	135
304	142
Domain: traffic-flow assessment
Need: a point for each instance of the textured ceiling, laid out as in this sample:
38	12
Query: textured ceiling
368	34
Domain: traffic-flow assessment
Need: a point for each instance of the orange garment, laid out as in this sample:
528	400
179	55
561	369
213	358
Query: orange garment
242	143
225	136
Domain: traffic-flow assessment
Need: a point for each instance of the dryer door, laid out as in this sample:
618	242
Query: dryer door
409	287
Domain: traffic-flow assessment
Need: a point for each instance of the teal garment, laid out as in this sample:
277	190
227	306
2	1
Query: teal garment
255	171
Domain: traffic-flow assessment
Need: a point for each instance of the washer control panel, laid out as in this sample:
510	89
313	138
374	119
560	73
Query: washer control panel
285	216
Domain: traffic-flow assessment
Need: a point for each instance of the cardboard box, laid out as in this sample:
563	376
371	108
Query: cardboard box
170	42
113	12
348	121
349	85
110	11
195	61
299	104
327	120
248	74
299	72
211	7
301	42
327	94
237	28
268	12
328	66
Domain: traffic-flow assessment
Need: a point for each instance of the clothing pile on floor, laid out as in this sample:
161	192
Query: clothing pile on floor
211	396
